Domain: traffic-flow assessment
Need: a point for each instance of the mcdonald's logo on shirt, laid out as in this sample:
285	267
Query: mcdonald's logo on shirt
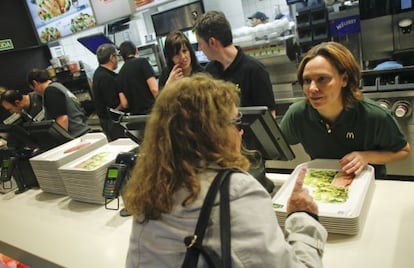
350	135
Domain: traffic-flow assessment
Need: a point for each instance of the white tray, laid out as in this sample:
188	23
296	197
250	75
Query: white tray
343	217
72	149
106	153
86	184
45	166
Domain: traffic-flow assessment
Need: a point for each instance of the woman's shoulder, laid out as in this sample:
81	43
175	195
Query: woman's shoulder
297	108
244	184
373	110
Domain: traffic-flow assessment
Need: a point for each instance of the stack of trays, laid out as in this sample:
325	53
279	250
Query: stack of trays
46	165
338	213
84	177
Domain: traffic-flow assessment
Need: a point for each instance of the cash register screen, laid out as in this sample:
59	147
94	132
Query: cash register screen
262	133
47	134
112	173
16	136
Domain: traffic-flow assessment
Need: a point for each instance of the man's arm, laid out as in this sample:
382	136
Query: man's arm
153	86
123	102
63	121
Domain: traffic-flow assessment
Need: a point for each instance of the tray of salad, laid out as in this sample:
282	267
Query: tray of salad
342	198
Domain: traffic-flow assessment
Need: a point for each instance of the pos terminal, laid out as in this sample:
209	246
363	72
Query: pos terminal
116	176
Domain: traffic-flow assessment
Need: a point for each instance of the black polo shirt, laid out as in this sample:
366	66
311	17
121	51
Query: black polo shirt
133	80
105	90
250	76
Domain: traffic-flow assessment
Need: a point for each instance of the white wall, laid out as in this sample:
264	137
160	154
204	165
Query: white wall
77	52
233	10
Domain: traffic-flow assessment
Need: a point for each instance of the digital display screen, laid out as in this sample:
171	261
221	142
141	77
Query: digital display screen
5	163
406	4
54	19
109	10
92	42
112	173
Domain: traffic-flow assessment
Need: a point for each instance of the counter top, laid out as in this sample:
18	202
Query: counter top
75	234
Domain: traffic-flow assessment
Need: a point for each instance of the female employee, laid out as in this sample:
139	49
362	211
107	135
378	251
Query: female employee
191	134
180	57
336	121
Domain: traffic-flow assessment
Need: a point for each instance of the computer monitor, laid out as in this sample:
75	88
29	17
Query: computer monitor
92	42
262	133
135	126
47	134
16	136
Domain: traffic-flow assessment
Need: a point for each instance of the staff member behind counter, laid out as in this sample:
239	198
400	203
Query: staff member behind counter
59	103
180	57
258	18
228	62
107	92
29	106
336	121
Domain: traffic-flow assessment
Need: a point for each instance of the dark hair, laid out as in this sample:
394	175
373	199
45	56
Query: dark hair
214	24
343	60
104	52
259	15
11	95
126	49
173	43
39	75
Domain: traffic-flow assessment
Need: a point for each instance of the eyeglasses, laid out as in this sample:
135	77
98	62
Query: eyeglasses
237	122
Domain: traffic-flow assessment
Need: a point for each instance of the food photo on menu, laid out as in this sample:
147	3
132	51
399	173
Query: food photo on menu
54	19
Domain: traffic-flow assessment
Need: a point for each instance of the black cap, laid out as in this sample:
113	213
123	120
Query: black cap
259	15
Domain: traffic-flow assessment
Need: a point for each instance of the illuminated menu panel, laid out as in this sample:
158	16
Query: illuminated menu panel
110	10
54	19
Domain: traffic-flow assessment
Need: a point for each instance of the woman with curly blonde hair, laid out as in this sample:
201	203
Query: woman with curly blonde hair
191	134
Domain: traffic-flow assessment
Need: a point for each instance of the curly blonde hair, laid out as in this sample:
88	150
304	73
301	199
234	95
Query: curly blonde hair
188	131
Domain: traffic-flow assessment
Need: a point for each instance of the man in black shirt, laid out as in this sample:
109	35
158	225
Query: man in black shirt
107	92
29	106
59	103
228	62
137	79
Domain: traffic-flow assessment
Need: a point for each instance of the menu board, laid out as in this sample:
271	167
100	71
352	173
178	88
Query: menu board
54	19
110	10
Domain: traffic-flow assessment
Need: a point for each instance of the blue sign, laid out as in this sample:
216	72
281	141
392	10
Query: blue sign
344	26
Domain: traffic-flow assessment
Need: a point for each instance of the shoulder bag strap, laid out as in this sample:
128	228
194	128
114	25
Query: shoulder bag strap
194	242
225	228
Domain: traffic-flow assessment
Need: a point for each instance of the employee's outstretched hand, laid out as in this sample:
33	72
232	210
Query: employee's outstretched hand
353	162
300	200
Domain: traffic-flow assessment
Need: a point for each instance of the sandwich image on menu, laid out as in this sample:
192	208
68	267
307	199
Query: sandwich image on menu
55	19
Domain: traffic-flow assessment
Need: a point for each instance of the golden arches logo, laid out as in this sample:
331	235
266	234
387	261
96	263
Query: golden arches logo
350	135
